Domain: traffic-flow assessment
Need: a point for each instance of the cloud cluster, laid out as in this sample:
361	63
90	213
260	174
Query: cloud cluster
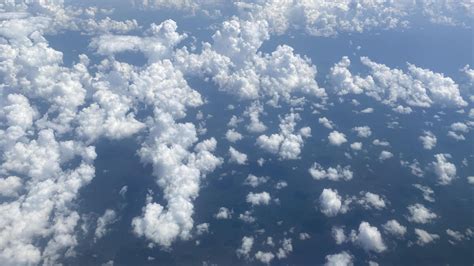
288	143
417	87
334	174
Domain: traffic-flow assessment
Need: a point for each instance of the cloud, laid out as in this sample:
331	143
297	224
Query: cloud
363	132
326	122
336	138
288	143
108	218
428	140
264	257
357	146
395	228
424	237
417	87
331	203
256	199
371	200
444	170
286	248
246	247
233	136
255	181
420	214
427	192
333	174
338	235
223	214
369	238
385	155
340	259
236	156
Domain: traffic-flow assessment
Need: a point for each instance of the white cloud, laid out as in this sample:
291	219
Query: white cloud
340	259
369	238
336	138
246	247
444	170
395	228
338	235
418	87
286	248
420	214
255	181
10	186
287	144
424	237
331	203
223	213
326	122
236	156
264	257
202	228
357	146
255	199
108	218
247	217
428	140
384	155
371	200
427	192
333	174
363	131
382	143
233	136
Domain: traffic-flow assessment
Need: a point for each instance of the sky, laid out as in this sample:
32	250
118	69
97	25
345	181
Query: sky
210	132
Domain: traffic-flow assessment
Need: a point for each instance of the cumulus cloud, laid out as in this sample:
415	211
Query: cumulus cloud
384	155
420	214
288	143
357	146
424	237
233	136
371	200
338	235
331	203
236	156
326	122
417	87
262	198
255	181
363	131
108	218
246	247
340	259
394	228
369	238
333	174
428	140
444	170
264	257
337	138
223	214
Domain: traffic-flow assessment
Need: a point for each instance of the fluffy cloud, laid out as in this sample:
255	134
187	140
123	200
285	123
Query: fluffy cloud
103	221
246	247
428	140
384	155
394	228
334	174
338	235
326	122
418	87
223	213
331	203
363	131
336	138
255	199
255	181
369	238
264	257
444	170
233	136
236	156
420	214
340	259
370	200
424	237
288	143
